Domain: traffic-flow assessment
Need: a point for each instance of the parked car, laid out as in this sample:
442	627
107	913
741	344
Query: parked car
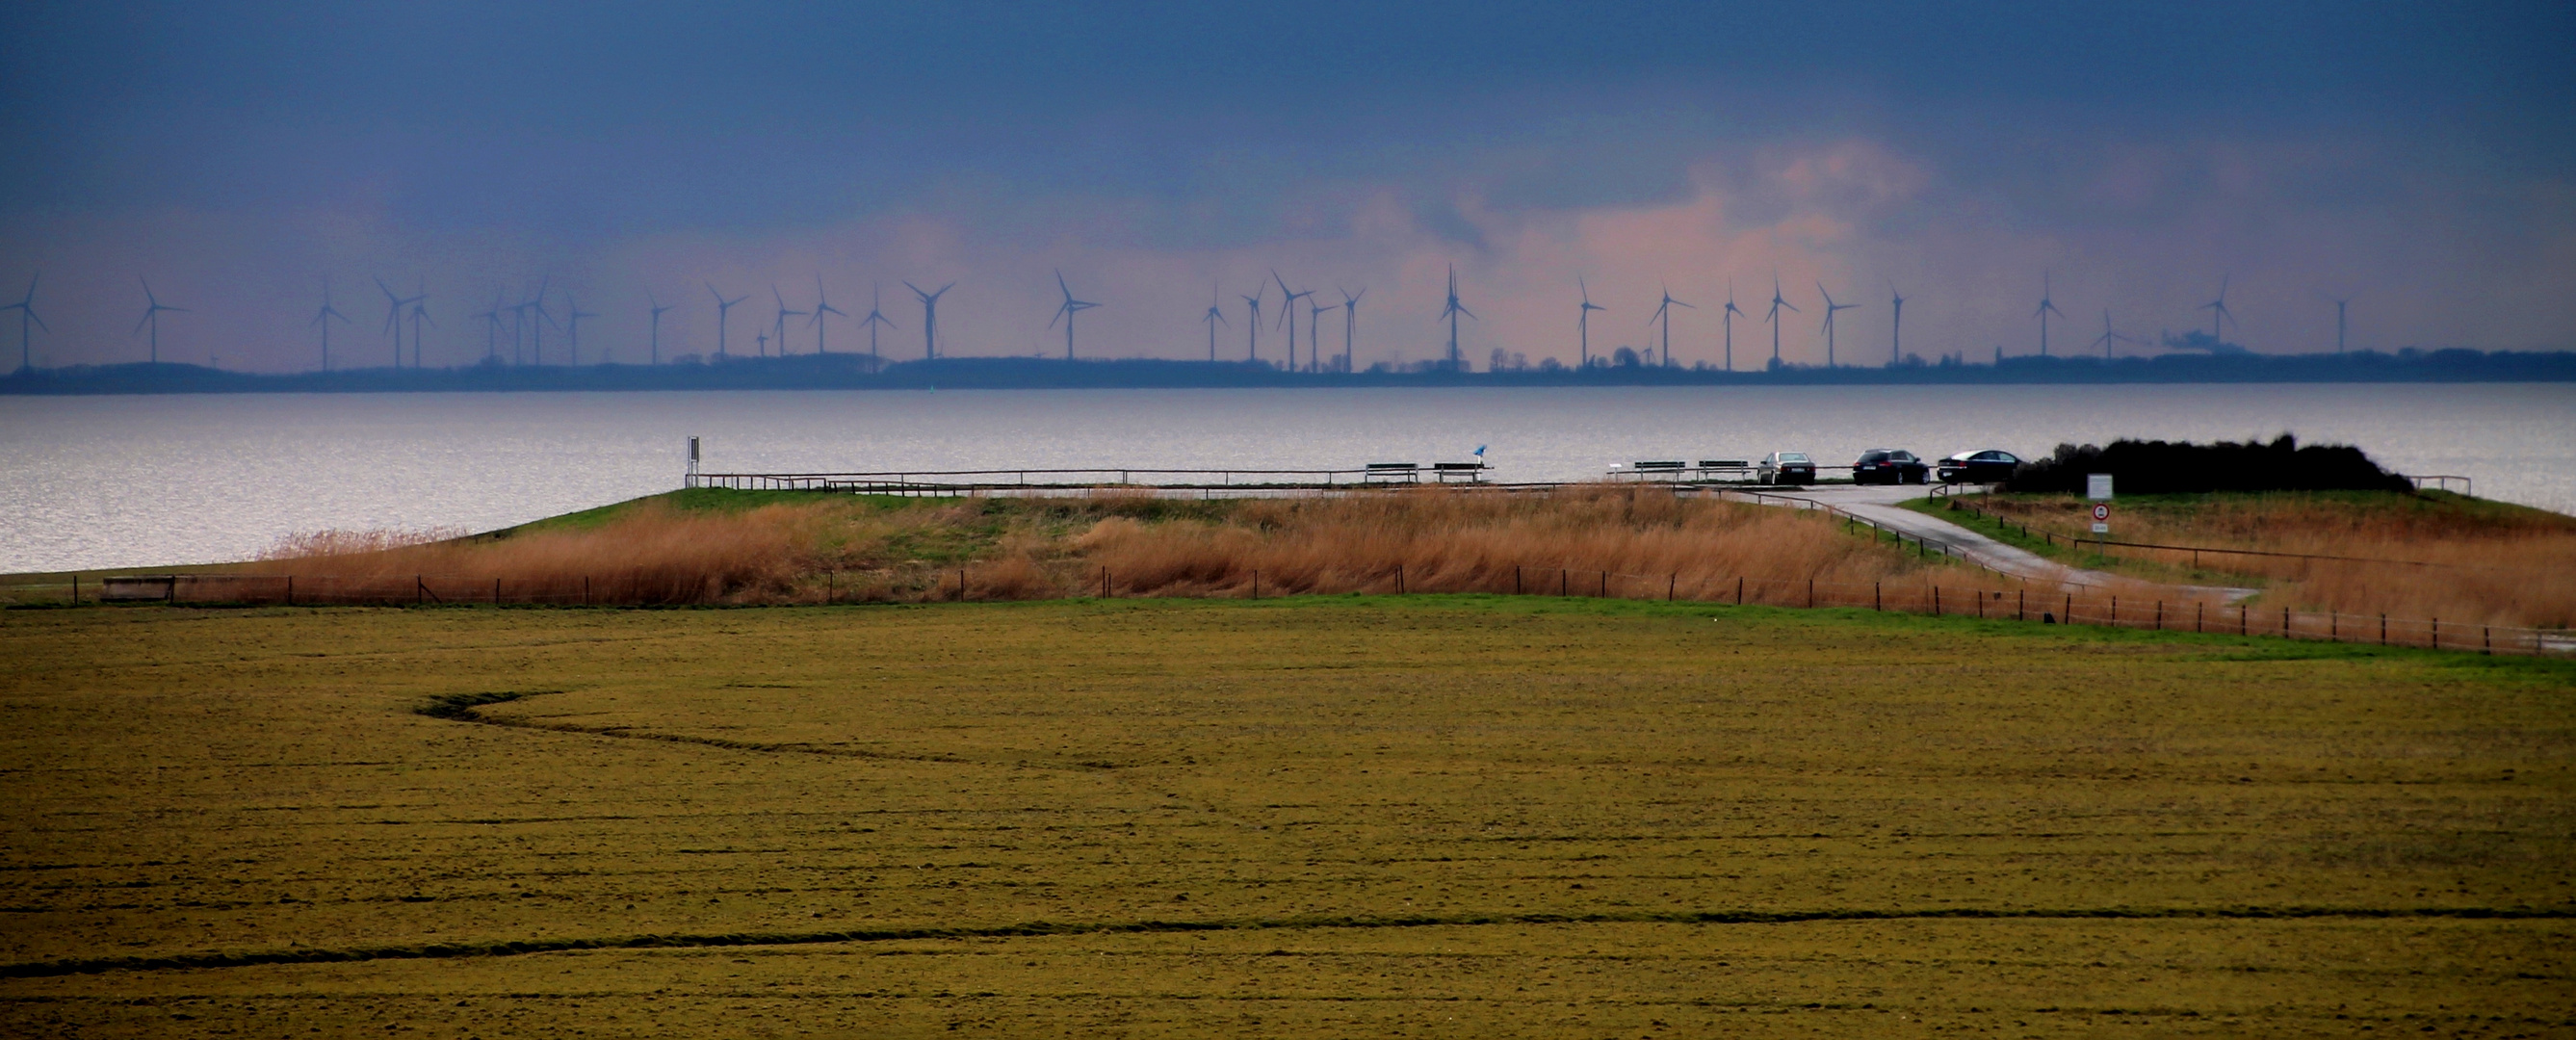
1991	466
1786	467
1890	466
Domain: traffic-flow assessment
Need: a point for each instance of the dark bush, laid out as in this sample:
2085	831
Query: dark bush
2165	467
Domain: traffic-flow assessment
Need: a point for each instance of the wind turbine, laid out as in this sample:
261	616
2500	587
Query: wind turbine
492	329
1896	328
2046	308
1777	303
26	308
929	317
152	317
1830	308
783	315
1664	311
876	316
2109	338
1252	328
419	313
1288	314
537	328
2219	315
1350	322
1315	335
1213	318
658	307
321	318
1583	325
1070	308
394	303
723	308
2339	325
572	330
1450	313
1728	317
822	306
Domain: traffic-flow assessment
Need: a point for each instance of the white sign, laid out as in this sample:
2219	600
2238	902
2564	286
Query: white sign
2097	487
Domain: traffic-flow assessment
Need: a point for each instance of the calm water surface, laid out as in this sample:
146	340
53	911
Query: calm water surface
92	482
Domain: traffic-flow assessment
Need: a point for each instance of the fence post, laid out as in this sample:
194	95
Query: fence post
1104	583
2240	618
2115	611
419	591
1399	579
76	589
1561	581
1811	593
1876	602
1256	584
961	584
2436	642
1516	581
1739	590
1936	601
585	590
2486	635
496	592
1605	584
2383	630
1672	582
2021	606
290	590
2285	622
2069	616
2160	615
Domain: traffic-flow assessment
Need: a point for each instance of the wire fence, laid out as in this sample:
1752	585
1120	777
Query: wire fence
2021	603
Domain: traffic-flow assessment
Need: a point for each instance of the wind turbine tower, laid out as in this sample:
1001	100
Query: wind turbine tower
2219	315
1727	318
2339	325
1450	313
1252	328
1664	311
1583	325
572	330
929	317
394	303
723	308
1213	318
822	306
781	322
2046	308
1066	311
492	329
1778	303
1315	335
1288	315
876	317
152	317
321	318
1830	308
657	308
1350	323
419	313
2108	339
26	308
1896	327
537	328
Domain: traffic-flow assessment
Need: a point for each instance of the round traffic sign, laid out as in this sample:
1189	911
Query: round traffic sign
2101	511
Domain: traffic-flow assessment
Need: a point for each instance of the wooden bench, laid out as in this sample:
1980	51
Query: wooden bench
1392	472
1472	471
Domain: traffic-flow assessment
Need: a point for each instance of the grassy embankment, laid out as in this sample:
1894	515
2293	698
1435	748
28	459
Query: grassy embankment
1462	816
785	548
2491	562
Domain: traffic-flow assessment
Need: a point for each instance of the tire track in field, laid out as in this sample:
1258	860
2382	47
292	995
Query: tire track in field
460	707
518	947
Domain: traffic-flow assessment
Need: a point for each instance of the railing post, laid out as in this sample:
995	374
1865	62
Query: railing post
1875	601
1739	590
1672	582
2021	605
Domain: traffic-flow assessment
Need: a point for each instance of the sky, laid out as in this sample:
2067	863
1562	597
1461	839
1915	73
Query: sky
2416	160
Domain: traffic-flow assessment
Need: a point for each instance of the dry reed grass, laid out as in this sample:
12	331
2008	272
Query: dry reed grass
650	554
2447	558
1602	540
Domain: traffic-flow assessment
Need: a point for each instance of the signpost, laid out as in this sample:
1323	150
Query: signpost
2101	518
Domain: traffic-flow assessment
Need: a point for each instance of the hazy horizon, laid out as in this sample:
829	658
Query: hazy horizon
2414	161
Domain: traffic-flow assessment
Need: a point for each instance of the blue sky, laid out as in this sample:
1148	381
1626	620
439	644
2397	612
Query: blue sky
2415	159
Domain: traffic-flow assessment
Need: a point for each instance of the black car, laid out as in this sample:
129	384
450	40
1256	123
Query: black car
1786	467
1889	466
1991	466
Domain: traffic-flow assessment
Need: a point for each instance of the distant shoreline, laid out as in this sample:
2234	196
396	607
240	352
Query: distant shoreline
859	372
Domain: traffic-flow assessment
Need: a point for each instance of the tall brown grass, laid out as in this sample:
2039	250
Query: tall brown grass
1620	541
650	554
2439	557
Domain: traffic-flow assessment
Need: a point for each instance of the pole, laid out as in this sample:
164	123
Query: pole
1875	603
1516	581
419	591
961	584
1811	593
290	590
2021	605
1256	584
1605	584
1399	579
1671	582
496	592
1739	590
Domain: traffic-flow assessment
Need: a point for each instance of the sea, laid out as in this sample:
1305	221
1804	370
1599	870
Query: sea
102	482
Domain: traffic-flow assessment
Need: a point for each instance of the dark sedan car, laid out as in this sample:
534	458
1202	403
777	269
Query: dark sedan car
1991	466
1889	466
1786	467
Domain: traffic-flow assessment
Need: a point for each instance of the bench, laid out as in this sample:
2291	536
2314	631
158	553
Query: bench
1473	471
1391	471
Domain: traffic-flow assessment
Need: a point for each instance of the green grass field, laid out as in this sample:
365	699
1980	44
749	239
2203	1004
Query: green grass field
1442	816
